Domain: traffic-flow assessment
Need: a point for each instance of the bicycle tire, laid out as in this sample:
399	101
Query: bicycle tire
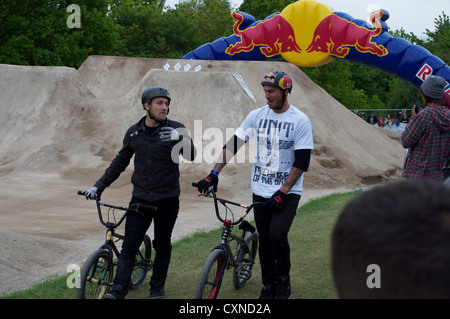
141	265
245	261
94	274
210	279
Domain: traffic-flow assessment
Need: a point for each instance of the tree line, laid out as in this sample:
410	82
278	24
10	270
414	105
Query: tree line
65	33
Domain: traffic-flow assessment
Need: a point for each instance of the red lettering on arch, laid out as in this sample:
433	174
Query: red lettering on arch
424	72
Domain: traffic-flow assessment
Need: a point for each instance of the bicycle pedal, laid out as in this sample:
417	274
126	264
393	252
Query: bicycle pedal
245	274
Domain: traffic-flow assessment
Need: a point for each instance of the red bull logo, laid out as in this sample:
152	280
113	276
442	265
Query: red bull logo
324	35
274	36
336	35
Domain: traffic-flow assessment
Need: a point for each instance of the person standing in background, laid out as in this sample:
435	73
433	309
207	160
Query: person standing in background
427	135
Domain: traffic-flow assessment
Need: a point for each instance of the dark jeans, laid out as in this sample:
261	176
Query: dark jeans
136	225
273	228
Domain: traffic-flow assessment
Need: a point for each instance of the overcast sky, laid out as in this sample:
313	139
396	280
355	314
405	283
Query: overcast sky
413	15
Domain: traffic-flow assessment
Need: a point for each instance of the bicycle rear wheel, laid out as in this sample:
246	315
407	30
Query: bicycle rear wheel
142	264
245	261
210	278
96	276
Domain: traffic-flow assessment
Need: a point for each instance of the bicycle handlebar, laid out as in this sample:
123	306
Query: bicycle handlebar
134	207
248	208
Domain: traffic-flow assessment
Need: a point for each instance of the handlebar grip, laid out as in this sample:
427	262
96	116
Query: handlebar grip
209	190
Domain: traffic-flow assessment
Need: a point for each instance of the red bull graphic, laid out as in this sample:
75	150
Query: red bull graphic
308	33
273	36
284	82
336	35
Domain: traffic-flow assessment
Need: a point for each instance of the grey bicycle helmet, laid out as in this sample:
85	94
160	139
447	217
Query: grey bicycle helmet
153	92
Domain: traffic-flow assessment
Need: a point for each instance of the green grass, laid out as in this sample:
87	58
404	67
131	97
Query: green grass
309	239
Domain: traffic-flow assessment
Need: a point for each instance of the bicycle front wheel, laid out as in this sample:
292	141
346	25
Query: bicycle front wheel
142	264
245	261
96	276
211	275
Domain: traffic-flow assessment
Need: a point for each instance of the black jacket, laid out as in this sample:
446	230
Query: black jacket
156	175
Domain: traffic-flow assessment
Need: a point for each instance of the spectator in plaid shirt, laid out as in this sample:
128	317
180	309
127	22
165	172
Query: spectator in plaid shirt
427	135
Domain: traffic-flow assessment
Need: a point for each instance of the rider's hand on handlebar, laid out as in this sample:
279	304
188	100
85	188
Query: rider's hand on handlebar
211	180
91	192
277	200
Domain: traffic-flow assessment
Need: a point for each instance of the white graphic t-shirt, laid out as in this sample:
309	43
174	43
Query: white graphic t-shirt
277	136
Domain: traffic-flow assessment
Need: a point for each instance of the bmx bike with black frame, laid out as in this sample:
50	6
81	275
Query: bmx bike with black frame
97	273
222	258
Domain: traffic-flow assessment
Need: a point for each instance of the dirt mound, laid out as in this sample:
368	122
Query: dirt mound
61	127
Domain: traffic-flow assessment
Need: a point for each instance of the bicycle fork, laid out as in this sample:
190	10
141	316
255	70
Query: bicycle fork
243	267
244	270
110	246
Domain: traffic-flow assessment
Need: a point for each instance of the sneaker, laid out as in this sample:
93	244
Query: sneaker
157	292
267	292
117	292
283	288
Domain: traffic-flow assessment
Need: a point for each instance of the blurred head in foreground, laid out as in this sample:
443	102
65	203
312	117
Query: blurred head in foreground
393	241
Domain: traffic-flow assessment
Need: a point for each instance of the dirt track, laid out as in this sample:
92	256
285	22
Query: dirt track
61	127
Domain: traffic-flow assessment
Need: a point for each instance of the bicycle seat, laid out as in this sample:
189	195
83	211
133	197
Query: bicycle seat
246	226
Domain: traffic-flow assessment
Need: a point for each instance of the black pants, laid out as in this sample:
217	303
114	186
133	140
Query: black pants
136	225
273	228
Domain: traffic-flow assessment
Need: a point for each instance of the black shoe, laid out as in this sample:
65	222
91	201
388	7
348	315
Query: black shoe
117	292
267	292
157	292
283	288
